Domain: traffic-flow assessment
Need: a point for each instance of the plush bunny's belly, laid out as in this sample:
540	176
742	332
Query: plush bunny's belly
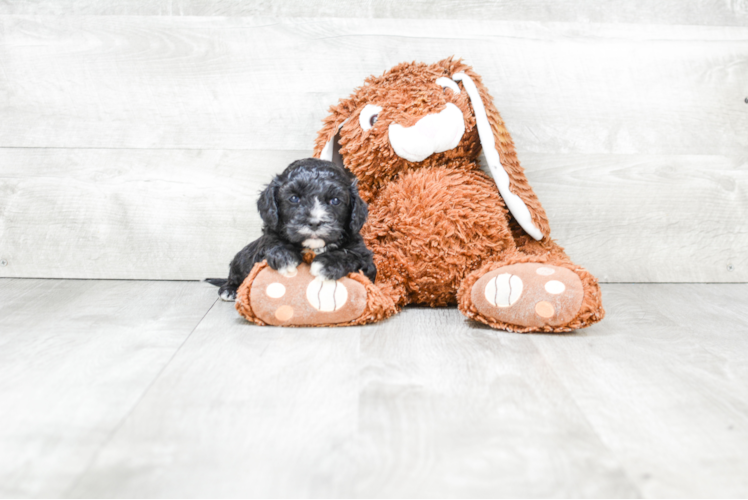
433	226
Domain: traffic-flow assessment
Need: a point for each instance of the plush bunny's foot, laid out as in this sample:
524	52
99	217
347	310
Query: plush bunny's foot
529	297
268	297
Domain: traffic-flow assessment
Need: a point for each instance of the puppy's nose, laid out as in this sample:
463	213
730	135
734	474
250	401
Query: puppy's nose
314	225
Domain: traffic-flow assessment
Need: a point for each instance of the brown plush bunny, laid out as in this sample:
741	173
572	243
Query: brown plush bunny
441	231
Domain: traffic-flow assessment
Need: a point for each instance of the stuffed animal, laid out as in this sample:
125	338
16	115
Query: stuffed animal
443	232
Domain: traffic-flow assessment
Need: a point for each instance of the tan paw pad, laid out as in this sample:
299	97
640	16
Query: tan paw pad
284	313
529	295
301	299
503	290
544	309
326	295
275	290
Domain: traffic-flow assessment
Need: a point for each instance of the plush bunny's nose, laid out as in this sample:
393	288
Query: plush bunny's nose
434	133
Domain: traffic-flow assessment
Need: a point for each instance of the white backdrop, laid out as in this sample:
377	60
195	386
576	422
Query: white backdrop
135	136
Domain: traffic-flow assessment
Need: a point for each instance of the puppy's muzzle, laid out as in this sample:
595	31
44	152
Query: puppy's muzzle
315	228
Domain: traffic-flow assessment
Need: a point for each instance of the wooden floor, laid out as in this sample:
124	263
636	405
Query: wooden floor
152	388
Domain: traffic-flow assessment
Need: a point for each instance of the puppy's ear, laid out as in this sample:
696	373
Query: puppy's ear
268	205
359	209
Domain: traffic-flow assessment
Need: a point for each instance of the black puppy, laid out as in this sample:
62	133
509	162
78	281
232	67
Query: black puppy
314	204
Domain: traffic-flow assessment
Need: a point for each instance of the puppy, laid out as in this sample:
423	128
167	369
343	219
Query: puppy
314	204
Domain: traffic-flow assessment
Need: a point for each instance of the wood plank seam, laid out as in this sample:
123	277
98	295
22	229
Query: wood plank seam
570	395
124	418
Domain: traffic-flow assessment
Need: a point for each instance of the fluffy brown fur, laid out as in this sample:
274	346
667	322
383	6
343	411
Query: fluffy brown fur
438	225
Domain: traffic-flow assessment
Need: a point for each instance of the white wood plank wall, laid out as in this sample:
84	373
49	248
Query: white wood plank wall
133	142
701	12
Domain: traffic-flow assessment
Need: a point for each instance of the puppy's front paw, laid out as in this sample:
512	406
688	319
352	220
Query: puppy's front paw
227	294
289	271
283	261
316	269
326	272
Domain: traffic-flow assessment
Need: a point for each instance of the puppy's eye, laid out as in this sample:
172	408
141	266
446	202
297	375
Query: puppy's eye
334	201
369	116
294	199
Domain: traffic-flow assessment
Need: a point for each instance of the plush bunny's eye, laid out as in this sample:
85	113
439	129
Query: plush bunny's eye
446	83
369	116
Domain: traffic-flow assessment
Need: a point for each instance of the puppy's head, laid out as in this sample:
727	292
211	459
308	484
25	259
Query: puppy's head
313	203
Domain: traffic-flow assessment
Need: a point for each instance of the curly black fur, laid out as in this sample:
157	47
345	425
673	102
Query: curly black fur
312	202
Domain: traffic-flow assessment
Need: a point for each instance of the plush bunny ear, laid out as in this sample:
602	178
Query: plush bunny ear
331	150
502	159
327	145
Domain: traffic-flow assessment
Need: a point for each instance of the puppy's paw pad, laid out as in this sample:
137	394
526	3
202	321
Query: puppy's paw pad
529	295
228	295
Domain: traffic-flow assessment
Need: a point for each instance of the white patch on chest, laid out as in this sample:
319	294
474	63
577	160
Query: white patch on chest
313	243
